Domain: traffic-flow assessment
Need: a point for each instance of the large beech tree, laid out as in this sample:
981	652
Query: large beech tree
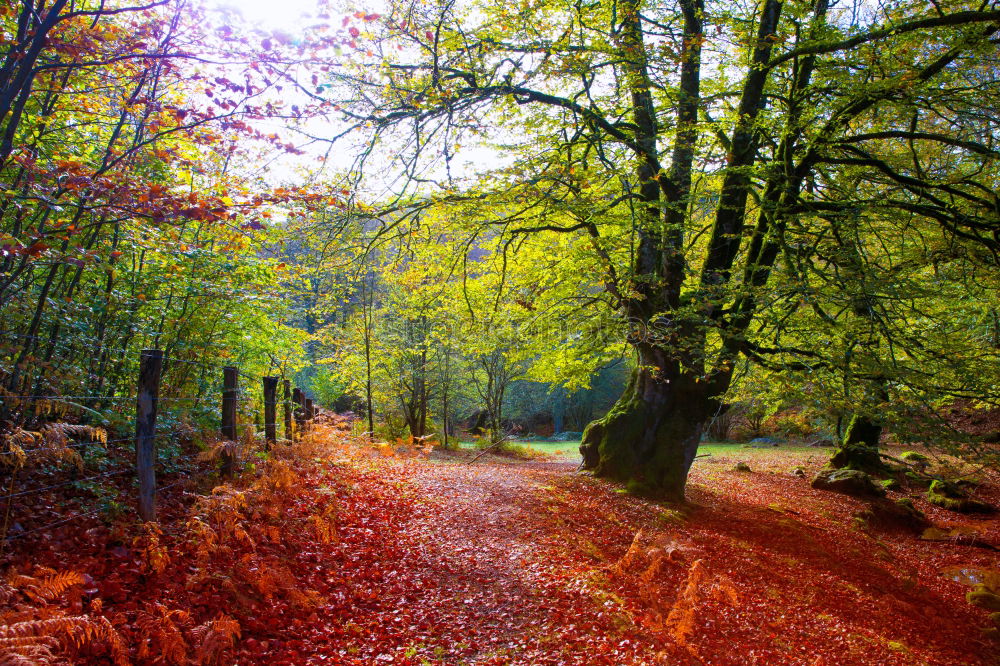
691	145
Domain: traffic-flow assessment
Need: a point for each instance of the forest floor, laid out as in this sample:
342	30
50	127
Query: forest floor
339	554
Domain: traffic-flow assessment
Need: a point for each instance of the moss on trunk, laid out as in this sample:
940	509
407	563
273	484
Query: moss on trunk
859	448
650	437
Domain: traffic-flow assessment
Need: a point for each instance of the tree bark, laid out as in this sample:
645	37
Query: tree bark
859	448
650	437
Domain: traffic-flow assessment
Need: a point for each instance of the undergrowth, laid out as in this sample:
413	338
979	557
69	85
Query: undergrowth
233	536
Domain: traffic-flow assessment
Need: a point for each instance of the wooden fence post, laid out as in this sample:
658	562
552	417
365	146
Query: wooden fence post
229	400
288	408
299	399
310	414
150	367
270	411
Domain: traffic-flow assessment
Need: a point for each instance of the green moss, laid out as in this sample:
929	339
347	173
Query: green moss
638	488
984	597
642	447
890	484
949	496
916	479
995	618
884	514
847	481
673	516
742	467
914	457
858	457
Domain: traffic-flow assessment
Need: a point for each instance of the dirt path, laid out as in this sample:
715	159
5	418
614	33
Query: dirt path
492	571
523	563
340	554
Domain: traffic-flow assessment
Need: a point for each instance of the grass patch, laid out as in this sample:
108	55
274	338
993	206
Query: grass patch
569	450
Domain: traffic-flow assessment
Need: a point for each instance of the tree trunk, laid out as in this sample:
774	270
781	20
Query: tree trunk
650	437
859	448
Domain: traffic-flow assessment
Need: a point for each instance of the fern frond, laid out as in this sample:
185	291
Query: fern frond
15	444
25	438
29	654
217	449
14	456
7	592
48	588
323	528
19	642
203	537
215	637
162	634
681	620
58	433
43	635
155	556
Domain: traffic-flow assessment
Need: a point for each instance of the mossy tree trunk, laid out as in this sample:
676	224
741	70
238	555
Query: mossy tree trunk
650	437
862	431
859	447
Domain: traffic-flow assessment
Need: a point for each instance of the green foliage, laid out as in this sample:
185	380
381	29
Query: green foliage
328	385
795	424
126	219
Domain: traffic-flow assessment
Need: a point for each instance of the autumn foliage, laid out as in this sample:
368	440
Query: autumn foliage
339	550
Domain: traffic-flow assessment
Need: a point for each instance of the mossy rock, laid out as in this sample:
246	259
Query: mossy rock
982	596
897	515
995	618
742	467
950	496
916	480
848	482
859	457
914	457
890	484
799	472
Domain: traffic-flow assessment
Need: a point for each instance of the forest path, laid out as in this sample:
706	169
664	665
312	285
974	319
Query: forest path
530	563
495	569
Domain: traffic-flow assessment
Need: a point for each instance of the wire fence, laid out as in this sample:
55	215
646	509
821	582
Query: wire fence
248	403
110	354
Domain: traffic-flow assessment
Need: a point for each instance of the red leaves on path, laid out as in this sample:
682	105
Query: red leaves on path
442	562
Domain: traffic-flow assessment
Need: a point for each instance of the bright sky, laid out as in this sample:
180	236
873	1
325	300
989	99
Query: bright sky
291	17
283	15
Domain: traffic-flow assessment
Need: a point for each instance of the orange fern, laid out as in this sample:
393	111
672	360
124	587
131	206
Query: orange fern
162	634
155	556
48	588
35	636
215	638
681	620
